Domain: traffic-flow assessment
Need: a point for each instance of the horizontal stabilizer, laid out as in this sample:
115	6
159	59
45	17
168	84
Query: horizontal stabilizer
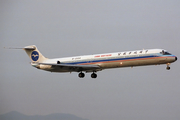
29	48
11	48
25	48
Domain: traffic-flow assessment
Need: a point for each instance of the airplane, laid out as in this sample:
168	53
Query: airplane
97	62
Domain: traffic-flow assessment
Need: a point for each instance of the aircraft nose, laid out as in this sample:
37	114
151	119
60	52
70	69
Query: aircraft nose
175	58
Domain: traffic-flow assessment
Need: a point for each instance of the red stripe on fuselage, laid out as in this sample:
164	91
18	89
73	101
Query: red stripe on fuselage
124	60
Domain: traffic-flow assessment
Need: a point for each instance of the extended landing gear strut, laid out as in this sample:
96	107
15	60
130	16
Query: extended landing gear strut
168	68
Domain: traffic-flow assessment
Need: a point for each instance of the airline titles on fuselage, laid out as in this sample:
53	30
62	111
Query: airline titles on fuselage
103	55
116	55
76	58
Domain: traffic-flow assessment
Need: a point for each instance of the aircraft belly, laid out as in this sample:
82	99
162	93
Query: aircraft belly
109	65
56	70
138	62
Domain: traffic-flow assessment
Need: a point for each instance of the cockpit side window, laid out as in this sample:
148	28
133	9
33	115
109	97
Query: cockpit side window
165	53
162	52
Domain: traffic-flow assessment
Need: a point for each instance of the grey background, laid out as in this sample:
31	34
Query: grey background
61	28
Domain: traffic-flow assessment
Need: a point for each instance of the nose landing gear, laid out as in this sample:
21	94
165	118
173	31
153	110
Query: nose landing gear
168	68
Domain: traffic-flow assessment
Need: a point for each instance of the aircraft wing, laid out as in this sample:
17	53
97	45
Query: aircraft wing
74	68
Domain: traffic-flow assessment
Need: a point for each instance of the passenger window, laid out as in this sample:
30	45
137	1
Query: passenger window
135	52
129	52
124	54
140	52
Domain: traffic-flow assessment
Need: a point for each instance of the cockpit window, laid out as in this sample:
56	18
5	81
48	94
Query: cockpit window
165	53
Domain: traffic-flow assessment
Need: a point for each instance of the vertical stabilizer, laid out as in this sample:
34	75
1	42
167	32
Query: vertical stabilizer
34	53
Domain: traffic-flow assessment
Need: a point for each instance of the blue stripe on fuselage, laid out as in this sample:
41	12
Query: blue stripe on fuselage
117	59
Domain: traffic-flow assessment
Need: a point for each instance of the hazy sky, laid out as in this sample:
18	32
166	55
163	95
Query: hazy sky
62	28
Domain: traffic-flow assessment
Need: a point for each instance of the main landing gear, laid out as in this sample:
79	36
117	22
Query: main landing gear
94	75
82	75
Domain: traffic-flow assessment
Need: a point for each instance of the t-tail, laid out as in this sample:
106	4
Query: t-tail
34	54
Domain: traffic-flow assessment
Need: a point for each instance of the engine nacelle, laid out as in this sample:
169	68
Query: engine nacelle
44	67
40	66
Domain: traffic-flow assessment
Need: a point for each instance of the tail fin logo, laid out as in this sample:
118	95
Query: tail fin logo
34	55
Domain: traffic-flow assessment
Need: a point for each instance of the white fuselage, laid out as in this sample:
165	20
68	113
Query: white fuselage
115	60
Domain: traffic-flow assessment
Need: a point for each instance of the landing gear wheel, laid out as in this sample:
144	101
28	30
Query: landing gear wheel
94	75
168	68
81	75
